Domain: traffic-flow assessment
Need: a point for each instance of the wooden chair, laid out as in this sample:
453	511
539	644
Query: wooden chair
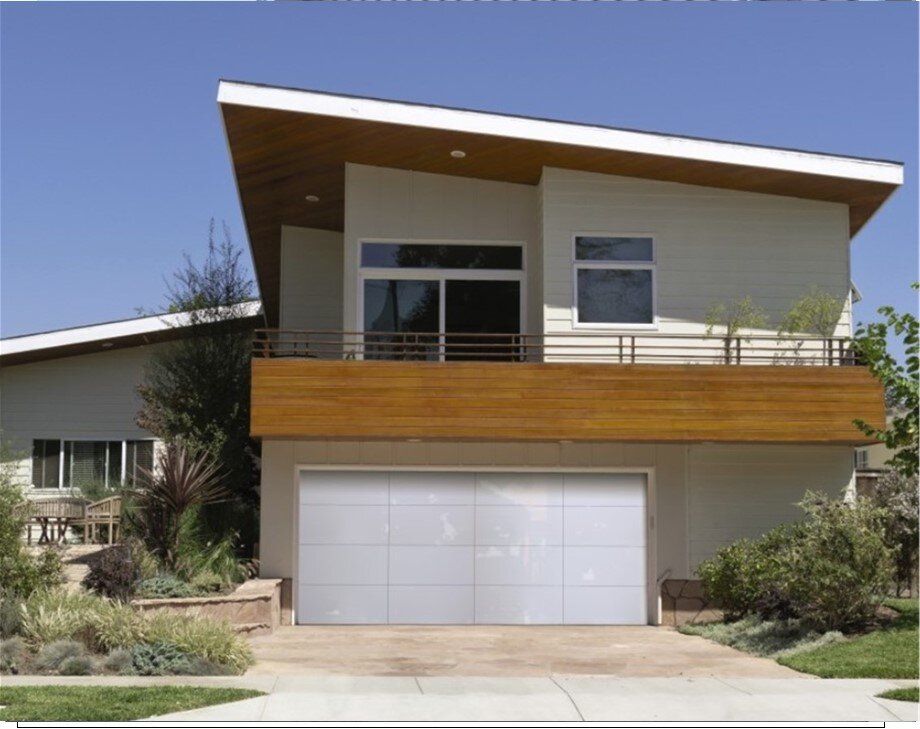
107	513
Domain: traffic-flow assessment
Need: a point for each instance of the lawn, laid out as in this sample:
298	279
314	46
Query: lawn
889	652
108	703
902	694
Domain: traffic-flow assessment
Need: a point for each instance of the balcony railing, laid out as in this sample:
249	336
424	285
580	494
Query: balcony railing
640	348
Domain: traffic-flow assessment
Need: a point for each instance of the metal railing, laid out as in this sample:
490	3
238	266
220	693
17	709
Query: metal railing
639	348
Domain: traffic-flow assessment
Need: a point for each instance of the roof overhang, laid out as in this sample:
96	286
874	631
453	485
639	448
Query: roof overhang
286	144
110	336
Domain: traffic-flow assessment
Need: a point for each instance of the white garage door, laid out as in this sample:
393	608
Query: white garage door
436	547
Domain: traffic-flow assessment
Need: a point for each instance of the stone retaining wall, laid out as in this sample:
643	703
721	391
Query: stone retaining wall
254	608
682	601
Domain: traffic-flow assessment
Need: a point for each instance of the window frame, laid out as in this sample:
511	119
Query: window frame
441	275
62	460
651	266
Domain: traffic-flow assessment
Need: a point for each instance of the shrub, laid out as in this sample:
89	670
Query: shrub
120	661
12	652
77	666
19	572
159	659
829	570
10	614
115	625
211	640
56	615
53	655
166	586
208	582
113	574
214	563
898	495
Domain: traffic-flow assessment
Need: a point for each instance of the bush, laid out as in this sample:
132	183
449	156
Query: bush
830	570
10	614
115	625
159	659
53	655
166	586
12	652
215	564
120	661
19	573
51	616
212	640
113	574
898	495
77	666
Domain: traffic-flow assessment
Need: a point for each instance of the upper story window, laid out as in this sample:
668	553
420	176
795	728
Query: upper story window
421	255
614	280
75	463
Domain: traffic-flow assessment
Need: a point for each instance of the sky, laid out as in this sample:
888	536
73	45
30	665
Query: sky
113	159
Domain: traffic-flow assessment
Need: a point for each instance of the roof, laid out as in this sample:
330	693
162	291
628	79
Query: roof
288	143
106	336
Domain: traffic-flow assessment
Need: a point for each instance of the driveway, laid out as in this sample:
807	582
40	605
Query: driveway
522	651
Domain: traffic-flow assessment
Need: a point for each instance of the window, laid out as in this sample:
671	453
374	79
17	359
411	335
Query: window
615	280
76	463
862	458
445	301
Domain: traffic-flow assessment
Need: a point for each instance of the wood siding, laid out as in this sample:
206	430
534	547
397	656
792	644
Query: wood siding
578	402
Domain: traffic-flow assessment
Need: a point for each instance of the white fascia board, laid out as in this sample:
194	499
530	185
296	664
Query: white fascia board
582	135
107	331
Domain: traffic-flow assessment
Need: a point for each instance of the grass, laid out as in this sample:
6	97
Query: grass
889	652
902	694
108	703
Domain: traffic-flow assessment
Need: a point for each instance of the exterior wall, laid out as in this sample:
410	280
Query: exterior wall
743	491
311	279
90	397
711	245
404	206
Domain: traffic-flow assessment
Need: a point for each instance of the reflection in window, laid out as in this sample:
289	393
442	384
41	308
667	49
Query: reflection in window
614	280
414	255
398	308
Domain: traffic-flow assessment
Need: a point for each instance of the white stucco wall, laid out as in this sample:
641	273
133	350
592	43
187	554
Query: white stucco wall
311	279
90	397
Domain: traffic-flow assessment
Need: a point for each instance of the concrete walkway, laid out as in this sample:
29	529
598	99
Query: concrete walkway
547	699
502	650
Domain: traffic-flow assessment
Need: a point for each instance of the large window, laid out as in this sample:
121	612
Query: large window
76	463
444	301
615	281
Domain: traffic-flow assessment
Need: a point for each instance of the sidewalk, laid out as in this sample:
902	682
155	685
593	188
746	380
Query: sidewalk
557	698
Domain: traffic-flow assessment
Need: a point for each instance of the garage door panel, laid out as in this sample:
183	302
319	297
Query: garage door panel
343	487
519	489
432	525
605	526
432	604
605	605
343	524
431	565
596	490
501	525
589	566
342	604
343	565
432	488
515	565
517	604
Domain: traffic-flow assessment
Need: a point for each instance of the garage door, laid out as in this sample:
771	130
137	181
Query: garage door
436	547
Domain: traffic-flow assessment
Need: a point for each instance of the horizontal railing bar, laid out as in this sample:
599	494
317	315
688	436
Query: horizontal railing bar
606	335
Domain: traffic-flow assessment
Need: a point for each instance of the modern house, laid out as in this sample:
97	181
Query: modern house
69	401
485	390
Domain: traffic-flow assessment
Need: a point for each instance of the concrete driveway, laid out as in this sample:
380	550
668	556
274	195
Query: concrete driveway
522	651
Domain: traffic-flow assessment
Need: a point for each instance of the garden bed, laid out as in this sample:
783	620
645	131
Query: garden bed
253	608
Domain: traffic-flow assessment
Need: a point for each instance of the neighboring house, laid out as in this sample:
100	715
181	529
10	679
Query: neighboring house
488	396
68	401
871	461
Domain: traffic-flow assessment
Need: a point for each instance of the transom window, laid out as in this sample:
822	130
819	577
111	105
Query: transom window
445	301
77	463
614	280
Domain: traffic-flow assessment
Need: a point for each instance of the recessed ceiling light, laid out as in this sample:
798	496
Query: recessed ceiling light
458	154
312	198
108	345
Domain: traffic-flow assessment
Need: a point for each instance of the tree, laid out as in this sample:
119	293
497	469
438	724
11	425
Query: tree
900	381
817	312
196	388
734	318
899	497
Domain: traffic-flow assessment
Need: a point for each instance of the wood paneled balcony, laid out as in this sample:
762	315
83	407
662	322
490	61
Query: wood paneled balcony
569	387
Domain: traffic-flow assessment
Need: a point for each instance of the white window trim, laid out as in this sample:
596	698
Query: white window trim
61	460
441	275
615	265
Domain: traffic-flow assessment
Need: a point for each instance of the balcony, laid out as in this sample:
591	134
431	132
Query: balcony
662	388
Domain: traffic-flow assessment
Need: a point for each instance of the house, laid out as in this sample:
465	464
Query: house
485	392
68	401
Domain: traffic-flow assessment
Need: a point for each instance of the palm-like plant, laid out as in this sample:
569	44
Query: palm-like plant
181	481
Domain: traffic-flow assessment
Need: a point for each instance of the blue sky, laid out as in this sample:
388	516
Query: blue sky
113	156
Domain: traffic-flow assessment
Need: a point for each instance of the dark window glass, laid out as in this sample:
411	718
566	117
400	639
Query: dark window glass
84	462
482	307
400	308
410	255
614	296
46	459
113	464
139	460
613	249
